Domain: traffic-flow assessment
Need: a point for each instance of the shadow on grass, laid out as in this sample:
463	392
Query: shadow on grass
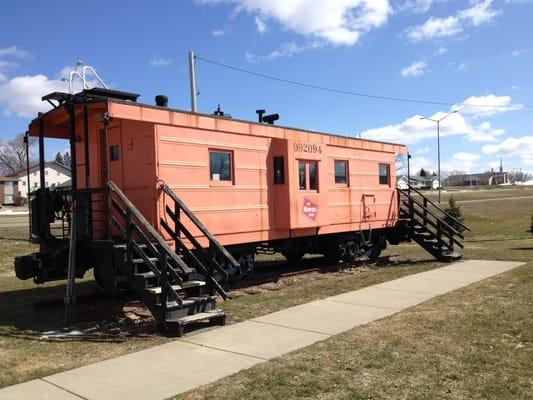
272	271
26	313
522	248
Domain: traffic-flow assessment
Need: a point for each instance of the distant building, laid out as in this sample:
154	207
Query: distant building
483	179
418	182
8	190
55	174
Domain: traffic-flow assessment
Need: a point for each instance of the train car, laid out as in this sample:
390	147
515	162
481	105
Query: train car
173	203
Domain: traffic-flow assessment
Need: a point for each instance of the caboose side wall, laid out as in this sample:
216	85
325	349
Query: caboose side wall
250	208
236	211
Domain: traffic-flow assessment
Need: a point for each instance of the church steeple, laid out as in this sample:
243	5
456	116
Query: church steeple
501	165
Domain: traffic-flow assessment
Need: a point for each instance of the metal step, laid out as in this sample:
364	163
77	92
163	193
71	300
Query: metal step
185	285
179	324
141	260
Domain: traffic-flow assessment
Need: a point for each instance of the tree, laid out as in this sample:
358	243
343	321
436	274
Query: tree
422	172
13	154
519	177
454	211
66	159
59	157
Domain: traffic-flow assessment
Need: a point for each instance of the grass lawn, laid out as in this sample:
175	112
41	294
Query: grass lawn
419	353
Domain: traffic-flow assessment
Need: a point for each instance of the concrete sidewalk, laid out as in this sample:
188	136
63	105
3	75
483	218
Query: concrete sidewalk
163	371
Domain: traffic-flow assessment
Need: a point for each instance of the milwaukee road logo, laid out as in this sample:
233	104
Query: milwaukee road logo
310	209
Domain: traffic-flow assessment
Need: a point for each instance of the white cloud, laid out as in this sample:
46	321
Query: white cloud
414	129
518	52
461	66
479	13
423	150
416	6
511	146
6	65
260	25
484	133
521	147
13	51
440	51
339	22
485	106
157	61
219	32
22	95
463	156
461	161
285	50
415	69
416	163
435	28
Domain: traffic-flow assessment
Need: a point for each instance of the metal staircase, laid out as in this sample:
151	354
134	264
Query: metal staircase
434	229
178	285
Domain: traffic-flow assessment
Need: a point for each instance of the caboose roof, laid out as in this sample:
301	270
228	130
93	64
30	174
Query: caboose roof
57	121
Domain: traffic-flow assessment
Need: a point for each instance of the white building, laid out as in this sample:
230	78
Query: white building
55	174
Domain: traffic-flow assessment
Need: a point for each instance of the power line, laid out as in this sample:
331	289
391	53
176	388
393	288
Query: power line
348	92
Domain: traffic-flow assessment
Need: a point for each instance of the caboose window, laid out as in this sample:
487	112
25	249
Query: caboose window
220	166
313	181
384	174
279	170
308	172
301	174
341	172
114	152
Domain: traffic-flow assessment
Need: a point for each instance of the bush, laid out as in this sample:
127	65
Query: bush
455	211
531	227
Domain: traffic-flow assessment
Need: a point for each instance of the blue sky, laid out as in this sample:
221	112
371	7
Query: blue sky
474	52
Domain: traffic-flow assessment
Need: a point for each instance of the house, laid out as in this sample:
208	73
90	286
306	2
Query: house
55	174
8	190
482	179
418	182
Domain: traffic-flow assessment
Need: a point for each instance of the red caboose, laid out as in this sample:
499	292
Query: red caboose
172	203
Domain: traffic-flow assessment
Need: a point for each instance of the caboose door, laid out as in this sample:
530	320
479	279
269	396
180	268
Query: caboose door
116	174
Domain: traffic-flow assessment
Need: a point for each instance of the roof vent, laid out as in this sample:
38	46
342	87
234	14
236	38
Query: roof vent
161	100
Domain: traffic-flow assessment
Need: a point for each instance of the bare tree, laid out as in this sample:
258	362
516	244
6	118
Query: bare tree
519	176
13	154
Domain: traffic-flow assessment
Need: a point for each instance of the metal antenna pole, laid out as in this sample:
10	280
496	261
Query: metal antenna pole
438	155
192	81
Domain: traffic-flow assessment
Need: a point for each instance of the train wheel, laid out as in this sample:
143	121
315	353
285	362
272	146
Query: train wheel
247	265
378	245
294	257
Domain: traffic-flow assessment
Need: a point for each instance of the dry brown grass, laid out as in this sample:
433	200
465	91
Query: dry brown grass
420	353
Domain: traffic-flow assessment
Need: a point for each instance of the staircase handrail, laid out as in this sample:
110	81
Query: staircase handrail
146	225
444	223
199	225
446	213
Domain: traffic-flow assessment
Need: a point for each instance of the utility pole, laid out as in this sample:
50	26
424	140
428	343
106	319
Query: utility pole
192	81
437	121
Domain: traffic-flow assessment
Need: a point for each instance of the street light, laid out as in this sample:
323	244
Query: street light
438	143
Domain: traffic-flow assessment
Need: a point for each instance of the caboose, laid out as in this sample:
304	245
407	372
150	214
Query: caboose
172	203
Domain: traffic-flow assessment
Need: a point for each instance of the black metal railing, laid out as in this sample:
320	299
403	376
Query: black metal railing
213	260
441	224
145	242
